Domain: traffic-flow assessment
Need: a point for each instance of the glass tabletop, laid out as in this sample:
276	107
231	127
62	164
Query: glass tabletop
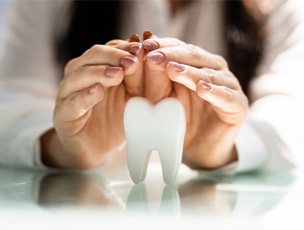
107	195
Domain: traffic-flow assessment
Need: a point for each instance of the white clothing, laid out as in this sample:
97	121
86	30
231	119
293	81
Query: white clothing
271	137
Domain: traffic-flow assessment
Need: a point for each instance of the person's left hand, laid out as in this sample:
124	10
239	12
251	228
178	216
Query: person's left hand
214	102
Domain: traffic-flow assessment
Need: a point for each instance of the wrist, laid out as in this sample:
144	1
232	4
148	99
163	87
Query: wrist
53	153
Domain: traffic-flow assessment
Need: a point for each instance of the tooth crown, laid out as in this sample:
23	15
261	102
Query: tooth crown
159	127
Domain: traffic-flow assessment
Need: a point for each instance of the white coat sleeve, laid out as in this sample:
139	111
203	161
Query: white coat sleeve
272	138
28	81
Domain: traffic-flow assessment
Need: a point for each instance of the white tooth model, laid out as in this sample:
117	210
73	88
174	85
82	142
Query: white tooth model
159	127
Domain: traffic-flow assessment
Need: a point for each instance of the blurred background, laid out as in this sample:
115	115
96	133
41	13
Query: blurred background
4	11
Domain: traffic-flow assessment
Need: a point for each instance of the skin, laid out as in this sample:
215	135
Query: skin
90	102
214	102
97	85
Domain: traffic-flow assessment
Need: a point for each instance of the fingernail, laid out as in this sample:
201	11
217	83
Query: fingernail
112	71
134	49
156	57
127	62
94	89
150	45
134	38
204	85
177	67
147	34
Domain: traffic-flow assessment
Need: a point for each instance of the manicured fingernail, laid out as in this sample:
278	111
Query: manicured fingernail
156	57
134	38
147	34
177	67
127	62
150	45
204	85
134	49
94	89
112	71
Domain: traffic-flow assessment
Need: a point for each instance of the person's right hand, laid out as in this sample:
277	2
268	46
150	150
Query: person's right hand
90	104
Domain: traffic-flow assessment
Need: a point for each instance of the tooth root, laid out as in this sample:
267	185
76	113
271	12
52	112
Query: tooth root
137	163
170	146
138	156
170	160
169	169
136	137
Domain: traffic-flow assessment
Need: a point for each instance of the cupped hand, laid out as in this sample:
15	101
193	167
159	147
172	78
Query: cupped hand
214	102
90	104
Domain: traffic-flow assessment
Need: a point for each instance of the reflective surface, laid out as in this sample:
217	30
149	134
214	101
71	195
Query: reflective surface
107	195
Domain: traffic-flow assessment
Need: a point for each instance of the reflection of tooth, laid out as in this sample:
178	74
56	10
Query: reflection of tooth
138	200
161	128
170	202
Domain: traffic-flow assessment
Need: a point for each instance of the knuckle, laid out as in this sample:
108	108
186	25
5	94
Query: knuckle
92	51
232	79
75	74
228	73
211	78
193	51
114	42
228	94
210	74
96	48
69	66
176	41
116	53
221	61
119	44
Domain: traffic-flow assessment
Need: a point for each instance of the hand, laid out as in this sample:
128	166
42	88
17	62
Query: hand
214	102
90	103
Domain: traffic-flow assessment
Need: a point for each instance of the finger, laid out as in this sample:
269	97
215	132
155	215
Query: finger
132	45
123	45
229	104
156	43
133	72
186	54
147	34
78	104
189	76
133	80
88	76
103	55
157	84
134	38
